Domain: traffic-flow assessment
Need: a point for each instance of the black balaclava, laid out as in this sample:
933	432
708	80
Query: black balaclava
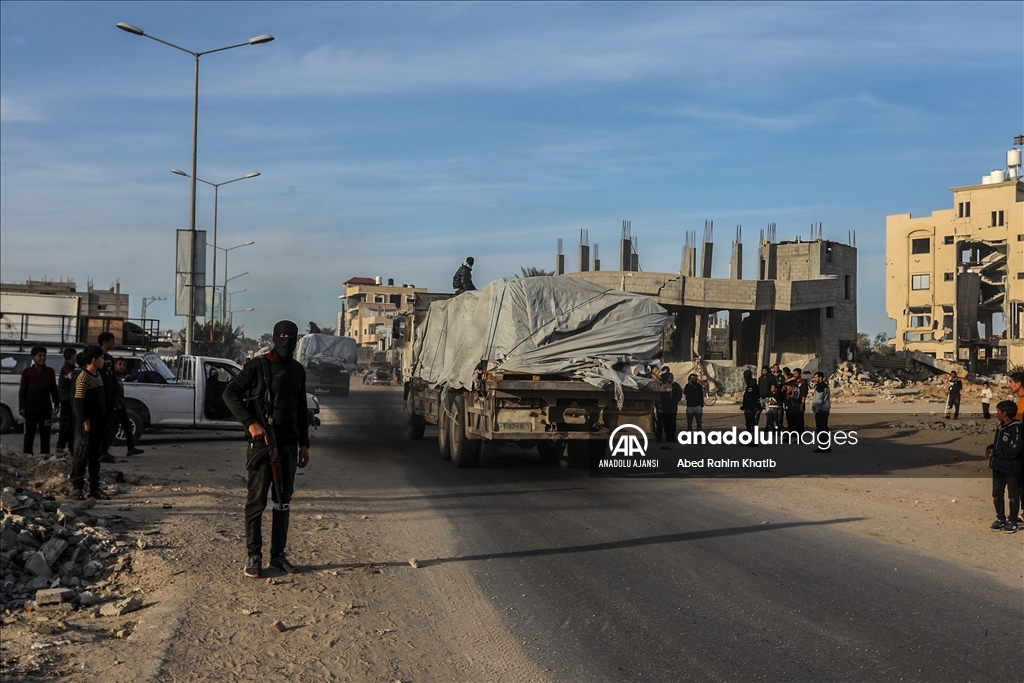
285	347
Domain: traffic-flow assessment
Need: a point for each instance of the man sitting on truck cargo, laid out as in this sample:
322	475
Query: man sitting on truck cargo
463	279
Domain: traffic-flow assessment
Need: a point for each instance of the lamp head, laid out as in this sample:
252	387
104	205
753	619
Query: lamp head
179	172
252	175
135	30
258	40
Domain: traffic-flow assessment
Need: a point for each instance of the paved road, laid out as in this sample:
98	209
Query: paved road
612	580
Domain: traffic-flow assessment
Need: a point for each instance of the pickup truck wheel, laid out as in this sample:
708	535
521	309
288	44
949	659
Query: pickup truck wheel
6	420
575	455
465	451
550	451
444	431
417	426
137	428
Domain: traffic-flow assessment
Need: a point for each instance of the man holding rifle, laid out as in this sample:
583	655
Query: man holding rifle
269	397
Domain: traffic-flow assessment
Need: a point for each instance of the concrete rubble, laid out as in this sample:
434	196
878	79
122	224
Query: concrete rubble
54	556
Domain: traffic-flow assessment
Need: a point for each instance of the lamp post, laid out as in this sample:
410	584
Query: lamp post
189	285
216	194
241	310
227	297
226	278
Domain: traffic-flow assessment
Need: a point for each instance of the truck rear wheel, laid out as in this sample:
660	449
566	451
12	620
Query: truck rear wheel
575	455
6	420
444	433
417	426
135	420
465	451
550	451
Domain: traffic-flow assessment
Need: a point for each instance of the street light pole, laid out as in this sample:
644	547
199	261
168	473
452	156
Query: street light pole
226	279
216	195
189	279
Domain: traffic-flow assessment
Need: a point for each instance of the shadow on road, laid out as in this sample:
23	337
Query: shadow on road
594	547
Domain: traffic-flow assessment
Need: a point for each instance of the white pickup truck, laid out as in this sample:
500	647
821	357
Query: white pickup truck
191	399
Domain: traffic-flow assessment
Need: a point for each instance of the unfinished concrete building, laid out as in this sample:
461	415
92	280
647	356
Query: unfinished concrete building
800	309
955	279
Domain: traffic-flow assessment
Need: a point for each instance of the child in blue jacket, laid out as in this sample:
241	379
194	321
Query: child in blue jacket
1006	460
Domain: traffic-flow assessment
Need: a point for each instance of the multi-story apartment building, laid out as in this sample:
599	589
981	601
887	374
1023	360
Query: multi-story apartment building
955	279
370	309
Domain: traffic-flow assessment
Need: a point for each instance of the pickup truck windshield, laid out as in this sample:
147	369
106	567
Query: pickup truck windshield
157	365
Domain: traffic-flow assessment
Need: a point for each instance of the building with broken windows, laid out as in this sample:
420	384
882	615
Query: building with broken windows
955	279
800	309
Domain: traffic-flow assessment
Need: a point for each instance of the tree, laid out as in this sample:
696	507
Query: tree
327	330
535	272
880	344
214	339
863	342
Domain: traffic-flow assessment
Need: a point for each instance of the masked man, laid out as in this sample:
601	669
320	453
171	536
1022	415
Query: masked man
462	281
269	397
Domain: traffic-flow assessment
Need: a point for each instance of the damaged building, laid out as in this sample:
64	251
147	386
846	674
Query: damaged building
799	309
955	279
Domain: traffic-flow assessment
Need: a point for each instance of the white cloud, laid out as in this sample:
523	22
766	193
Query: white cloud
16	112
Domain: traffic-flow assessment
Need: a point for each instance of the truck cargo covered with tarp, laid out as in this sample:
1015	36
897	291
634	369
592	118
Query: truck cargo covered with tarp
328	360
547	326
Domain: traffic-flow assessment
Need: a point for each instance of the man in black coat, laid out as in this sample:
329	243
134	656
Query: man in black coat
245	396
751	403
463	278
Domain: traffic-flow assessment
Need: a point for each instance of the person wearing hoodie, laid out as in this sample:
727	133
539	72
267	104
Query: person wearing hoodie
247	396
462	281
1006	460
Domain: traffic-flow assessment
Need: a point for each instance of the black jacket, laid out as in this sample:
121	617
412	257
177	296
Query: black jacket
245	392
751	397
764	383
694	394
1008	450
463	279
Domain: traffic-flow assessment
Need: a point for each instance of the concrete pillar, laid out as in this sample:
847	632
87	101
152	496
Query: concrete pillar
685	324
701	346
707	249
584	258
766	340
689	268
736	263
735	335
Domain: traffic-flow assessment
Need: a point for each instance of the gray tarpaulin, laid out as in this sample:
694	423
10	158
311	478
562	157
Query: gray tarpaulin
540	326
326	349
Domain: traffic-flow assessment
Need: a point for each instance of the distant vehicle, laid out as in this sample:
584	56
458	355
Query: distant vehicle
329	362
381	376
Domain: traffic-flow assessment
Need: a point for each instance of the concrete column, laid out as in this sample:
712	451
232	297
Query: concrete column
735	335
766	339
685	324
584	258
736	264
701	335
689	268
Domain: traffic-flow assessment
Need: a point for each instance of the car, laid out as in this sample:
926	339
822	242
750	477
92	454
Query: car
381	376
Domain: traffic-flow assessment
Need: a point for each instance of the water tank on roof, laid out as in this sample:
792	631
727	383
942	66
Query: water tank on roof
1013	157
377	279
986	180
998	175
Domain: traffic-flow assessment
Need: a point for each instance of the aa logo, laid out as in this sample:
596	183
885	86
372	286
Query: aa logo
626	441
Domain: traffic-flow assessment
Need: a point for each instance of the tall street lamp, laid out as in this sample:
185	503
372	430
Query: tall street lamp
258	40
243	310
216	193
226	278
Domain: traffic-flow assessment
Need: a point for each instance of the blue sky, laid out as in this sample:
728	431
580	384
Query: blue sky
396	139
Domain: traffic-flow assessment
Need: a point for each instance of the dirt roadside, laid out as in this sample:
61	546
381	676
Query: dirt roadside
361	611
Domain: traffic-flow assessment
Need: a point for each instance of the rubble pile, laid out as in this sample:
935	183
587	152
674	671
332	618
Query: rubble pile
46	545
964	427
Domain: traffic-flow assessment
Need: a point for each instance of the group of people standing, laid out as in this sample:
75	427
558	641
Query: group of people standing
781	395
89	398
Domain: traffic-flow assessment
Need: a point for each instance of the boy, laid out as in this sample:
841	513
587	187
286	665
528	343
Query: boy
821	406
953	396
36	397
66	390
986	398
773	408
90	425
1006	460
